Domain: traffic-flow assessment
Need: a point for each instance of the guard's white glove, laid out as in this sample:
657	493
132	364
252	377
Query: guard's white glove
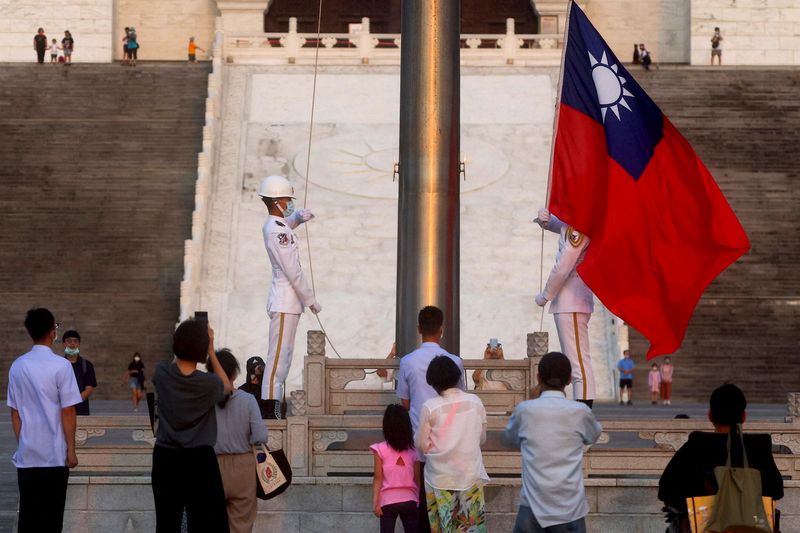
540	299
305	214
543	217
315	307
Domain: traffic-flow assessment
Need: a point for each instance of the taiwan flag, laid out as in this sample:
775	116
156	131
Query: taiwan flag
660	228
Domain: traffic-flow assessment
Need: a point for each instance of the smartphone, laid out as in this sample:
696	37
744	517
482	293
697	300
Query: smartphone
201	316
493	343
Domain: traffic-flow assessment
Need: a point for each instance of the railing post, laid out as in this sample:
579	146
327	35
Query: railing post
293	41
510	42
314	382
297	449
365	41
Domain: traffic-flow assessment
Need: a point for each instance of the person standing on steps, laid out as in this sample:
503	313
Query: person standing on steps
133	46
716	47
193	48
289	293
571	303
625	367
83	368
42	395
40	45
654	383
666	381
53	51
413	389
134	378
68	46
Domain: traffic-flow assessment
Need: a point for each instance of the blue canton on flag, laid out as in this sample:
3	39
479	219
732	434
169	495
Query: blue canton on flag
596	84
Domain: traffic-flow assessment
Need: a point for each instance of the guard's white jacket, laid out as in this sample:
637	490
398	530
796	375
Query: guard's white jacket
289	292
565	290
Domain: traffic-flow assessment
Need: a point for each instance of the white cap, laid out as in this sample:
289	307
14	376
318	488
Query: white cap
276	187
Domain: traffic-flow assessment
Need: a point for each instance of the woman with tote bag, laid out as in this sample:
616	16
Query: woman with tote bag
239	426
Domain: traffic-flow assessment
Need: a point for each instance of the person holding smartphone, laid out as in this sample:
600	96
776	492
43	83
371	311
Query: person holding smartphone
482	379
185	471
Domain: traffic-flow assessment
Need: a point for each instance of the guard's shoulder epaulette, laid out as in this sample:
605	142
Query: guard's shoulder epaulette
281	224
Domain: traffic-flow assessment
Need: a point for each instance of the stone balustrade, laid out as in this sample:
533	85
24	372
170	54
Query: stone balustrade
206	165
363	47
326	381
332	426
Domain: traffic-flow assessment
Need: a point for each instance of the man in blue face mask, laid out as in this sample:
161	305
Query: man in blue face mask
289	293
82	367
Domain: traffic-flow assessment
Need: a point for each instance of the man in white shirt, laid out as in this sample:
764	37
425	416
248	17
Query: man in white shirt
289	293
571	303
413	389
42	394
551	432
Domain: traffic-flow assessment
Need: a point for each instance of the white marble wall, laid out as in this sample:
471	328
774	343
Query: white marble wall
164	26
755	32
663	25
89	21
506	130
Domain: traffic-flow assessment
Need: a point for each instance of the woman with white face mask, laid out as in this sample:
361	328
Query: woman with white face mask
135	379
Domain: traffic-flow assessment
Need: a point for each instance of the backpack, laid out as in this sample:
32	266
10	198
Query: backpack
715	42
738	506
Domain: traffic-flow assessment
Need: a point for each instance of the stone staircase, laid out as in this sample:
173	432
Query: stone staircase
744	126
97	164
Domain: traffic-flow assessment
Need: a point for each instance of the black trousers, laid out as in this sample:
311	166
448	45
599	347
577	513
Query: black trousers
188	478
42	495
407	511
40	59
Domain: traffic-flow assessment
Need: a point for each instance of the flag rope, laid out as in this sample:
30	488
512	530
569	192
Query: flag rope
308	172
553	150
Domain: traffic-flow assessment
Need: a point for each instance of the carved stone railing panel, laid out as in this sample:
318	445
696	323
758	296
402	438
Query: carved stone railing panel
297	403
275	439
323	439
82	435
144	435
790	440
670	441
339	378
515	379
326	380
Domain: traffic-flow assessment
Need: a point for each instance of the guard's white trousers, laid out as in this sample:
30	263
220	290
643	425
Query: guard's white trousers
573	335
282	329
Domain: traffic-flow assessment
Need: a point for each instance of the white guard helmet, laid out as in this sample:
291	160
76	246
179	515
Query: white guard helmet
276	187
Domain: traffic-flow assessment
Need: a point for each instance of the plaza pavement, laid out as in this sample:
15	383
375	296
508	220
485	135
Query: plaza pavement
604	411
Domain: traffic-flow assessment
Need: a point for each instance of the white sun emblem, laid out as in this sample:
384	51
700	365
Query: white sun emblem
610	91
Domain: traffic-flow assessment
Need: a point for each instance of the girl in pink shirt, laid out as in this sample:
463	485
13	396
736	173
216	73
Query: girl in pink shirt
654	382
395	487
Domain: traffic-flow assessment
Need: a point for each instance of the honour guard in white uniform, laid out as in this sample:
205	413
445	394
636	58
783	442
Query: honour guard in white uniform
289	294
571	303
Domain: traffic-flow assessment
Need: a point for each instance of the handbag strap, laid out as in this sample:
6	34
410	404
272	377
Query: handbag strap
738	429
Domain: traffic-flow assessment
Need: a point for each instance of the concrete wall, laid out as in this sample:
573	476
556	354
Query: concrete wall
663	25
89	21
755	32
164	26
